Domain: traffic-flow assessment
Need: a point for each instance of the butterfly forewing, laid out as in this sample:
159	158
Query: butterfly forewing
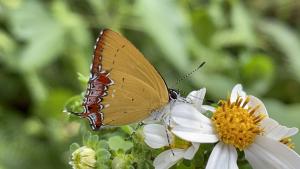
123	86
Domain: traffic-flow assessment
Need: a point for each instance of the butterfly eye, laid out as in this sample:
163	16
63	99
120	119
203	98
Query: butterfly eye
173	94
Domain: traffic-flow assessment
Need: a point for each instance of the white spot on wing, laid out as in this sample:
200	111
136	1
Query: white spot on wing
93	77
112	82
101	115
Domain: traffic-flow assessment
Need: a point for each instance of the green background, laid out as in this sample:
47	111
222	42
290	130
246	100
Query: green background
45	43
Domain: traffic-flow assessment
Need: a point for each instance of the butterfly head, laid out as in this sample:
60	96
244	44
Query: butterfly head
173	94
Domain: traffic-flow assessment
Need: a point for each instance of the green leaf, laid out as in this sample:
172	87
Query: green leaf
286	40
94	138
41	51
103	155
92	141
78	41
165	22
28	25
7	48
74	146
36	86
245	166
54	103
42	34
86	138
127	129
74	104
122	161
242	23
257	72
241	34
102	166
118	143
102	144
216	12
82	78
203	33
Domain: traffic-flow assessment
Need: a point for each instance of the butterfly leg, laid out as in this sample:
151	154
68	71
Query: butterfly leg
139	125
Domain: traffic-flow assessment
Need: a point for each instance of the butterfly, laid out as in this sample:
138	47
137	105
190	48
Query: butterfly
123	86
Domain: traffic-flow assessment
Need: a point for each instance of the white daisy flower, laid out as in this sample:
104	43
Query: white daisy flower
158	136
241	122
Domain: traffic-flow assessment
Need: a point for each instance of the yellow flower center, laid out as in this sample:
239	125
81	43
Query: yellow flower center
288	142
235	124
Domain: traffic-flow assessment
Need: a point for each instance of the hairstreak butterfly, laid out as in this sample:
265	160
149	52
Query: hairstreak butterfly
123	86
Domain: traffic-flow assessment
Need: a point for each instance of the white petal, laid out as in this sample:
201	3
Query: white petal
195	135
188	116
232	164
208	108
237	91
223	156
191	151
155	135
254	101
274	130
271	153
196	97
168	158
255	161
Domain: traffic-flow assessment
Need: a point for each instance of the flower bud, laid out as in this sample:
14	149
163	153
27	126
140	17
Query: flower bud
83	158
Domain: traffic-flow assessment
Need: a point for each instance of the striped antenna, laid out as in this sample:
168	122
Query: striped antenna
189	74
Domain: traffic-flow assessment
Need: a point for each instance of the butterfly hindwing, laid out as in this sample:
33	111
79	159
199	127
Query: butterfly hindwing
123	85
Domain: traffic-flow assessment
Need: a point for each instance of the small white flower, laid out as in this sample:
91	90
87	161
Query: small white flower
157	136
241	122
83	158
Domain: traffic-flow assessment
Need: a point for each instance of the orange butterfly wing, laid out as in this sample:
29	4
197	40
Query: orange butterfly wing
123	86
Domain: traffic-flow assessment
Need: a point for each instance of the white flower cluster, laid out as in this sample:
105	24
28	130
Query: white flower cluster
241	122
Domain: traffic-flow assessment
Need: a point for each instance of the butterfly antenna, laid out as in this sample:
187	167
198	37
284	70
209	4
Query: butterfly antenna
189	74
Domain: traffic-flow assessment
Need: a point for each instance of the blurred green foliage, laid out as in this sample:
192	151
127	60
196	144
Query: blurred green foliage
45	43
